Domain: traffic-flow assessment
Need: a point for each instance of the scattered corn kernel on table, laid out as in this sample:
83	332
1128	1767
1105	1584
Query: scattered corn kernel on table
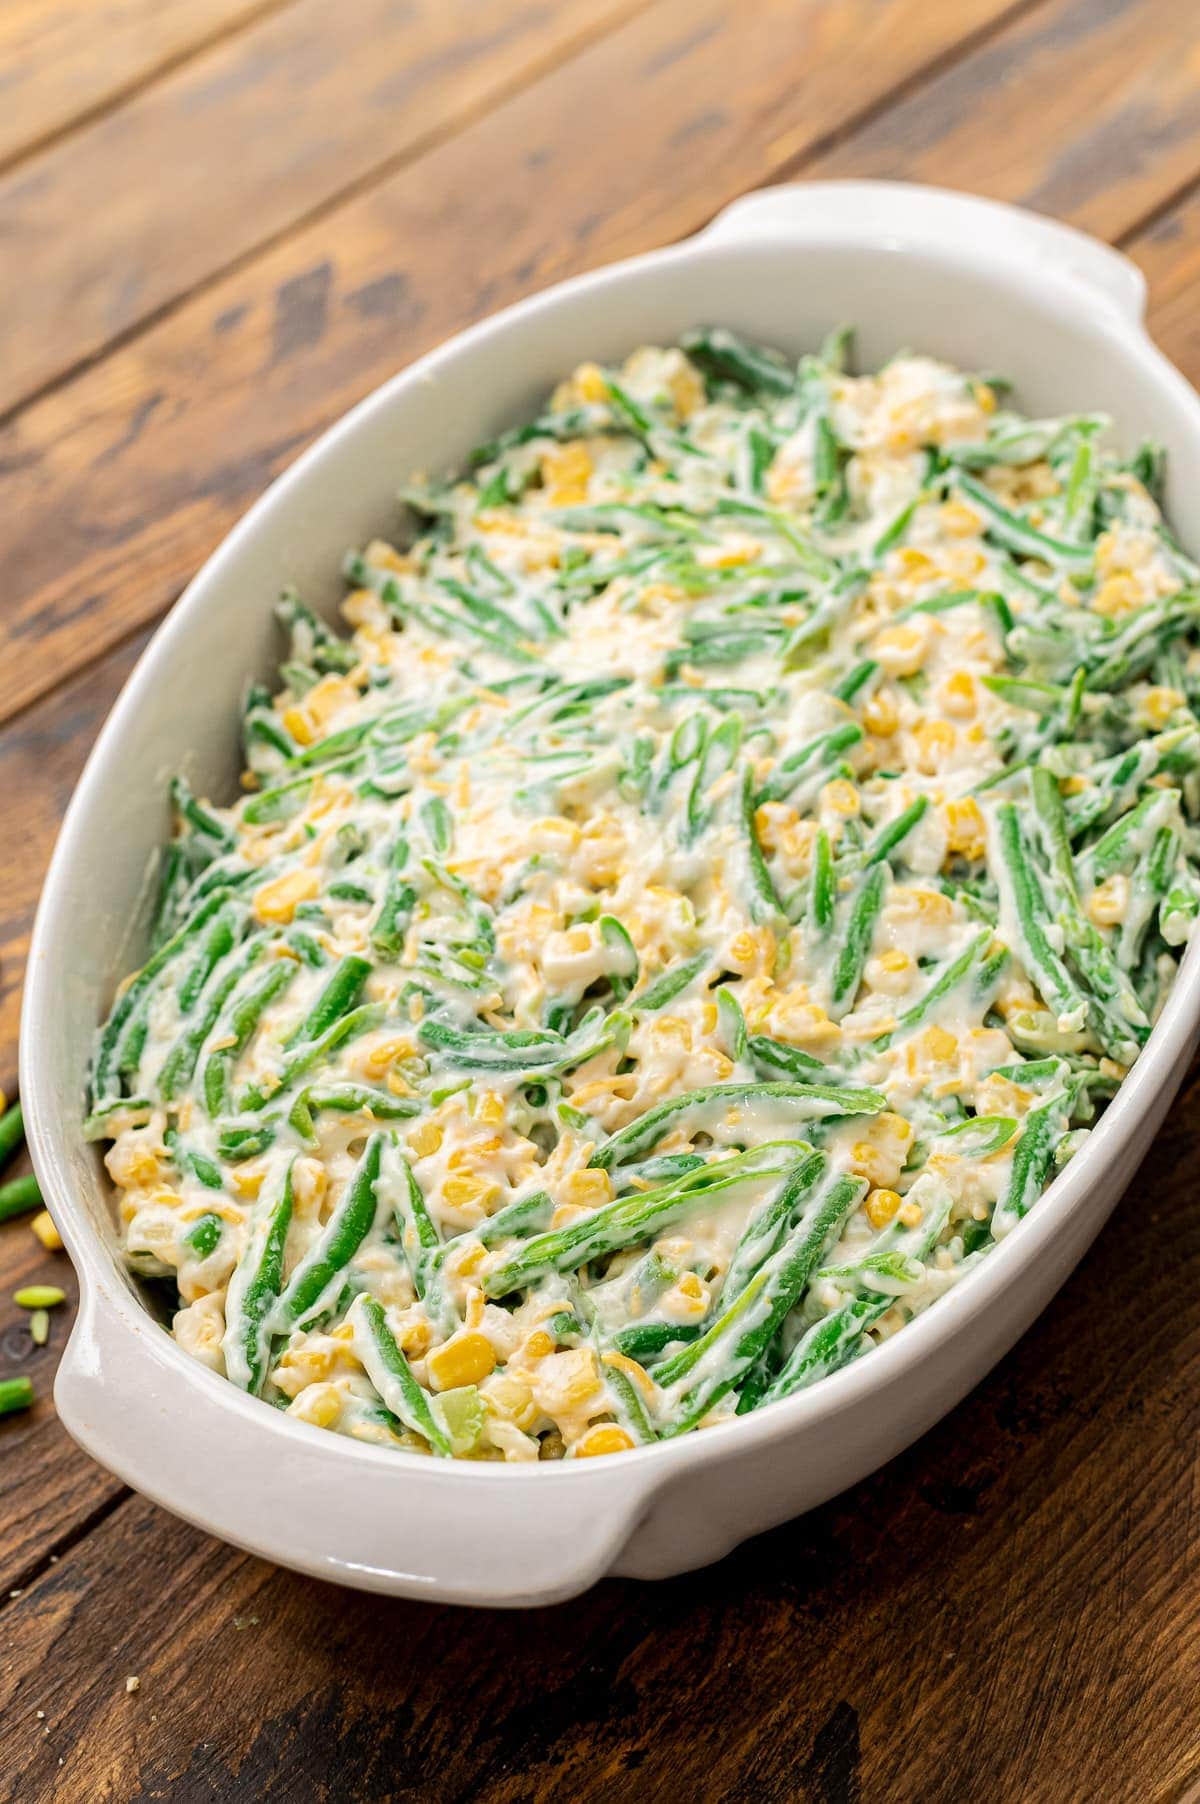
309	199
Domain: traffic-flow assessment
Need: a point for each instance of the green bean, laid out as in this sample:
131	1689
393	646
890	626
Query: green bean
623	1222
951	975
860	933
192	1162
204	1235
12	1131
896	832
19	1196
338	997
1010	530
720	353
244	1017
764	899
316	1280
135	995
15	1394
671	983
1020	880
628	1406
777	1055
253	1289
817	755
1044	1126
822	885
810	1100
743	1333
732	1023
389	1371
359	1020
623	973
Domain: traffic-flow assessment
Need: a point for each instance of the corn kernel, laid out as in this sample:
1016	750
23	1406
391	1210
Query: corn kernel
900	649
297	723
567	1380
1117	594
965	831
425	1140
329	697
881	1206
490	1109
320	1404
466	1358
279	899
413	1337
539	1345
880	715
910	1213
565	474
895	960
606	1437
840	796
511	1399
916	563
385	1053
1109	901
931	905
589	382
959	520
867	1161
45	1230
588	1189
686	390
467	1191
1158	705
985	396
958	695
938	1045
934	741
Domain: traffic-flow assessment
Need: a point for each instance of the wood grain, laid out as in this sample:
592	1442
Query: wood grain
62	60
115	487
263	129
1088	109
267	112
958	1627
49	1490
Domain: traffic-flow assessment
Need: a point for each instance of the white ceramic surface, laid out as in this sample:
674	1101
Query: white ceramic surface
980	284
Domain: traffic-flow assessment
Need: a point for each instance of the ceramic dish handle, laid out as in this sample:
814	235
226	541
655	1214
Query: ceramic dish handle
231	1465
904	213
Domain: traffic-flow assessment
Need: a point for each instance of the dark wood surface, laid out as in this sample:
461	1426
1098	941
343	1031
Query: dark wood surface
225	221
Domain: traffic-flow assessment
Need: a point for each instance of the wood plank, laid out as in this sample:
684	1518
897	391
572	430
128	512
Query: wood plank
49	1490
114	488
1168	252
261	130
1088	109
64	59
1008	1611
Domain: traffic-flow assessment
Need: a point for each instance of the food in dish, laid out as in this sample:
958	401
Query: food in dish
744	839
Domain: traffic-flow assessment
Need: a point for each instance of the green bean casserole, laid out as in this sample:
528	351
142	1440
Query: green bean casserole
745	836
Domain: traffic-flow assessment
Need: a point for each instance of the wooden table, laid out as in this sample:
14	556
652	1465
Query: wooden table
224	221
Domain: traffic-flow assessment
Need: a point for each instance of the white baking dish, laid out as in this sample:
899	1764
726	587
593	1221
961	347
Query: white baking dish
982	285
